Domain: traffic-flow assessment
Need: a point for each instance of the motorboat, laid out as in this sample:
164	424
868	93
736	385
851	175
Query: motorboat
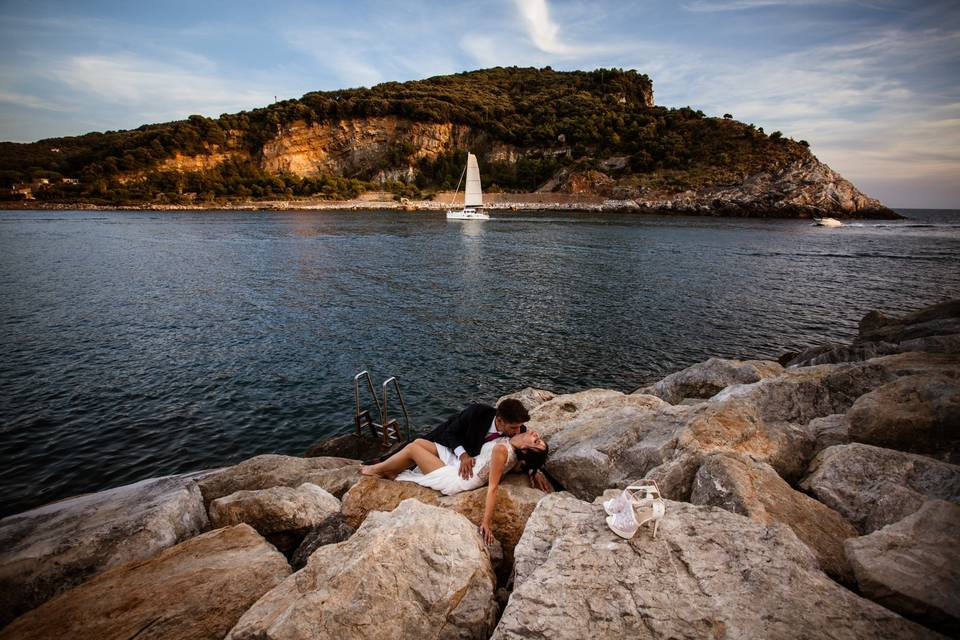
827	222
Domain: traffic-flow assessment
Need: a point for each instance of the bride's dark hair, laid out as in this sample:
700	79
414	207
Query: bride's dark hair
531	460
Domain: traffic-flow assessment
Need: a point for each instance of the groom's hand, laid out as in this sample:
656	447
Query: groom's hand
466	466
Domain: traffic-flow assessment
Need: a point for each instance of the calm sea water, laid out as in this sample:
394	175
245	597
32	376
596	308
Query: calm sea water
137	344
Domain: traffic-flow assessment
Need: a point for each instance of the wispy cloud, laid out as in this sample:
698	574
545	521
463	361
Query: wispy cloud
742	5
543	31
33	102
156	89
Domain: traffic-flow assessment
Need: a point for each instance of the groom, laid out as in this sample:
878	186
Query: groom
464	434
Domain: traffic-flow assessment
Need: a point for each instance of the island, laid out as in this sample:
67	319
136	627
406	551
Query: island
545	139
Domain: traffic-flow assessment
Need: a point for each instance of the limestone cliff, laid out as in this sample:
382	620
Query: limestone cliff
364	146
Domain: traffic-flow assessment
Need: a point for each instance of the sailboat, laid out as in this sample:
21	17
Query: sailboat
472	194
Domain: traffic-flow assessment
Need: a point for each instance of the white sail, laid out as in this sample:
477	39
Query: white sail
473	196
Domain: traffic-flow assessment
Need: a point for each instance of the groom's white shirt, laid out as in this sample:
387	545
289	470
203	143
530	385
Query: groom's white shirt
459	451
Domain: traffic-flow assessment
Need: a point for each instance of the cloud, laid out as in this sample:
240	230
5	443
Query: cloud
544	32
741	5
155	89
33	102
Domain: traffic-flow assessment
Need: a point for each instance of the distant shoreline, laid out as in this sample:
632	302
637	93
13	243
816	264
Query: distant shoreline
593	205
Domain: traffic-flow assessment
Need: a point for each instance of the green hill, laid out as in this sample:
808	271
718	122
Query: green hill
554	123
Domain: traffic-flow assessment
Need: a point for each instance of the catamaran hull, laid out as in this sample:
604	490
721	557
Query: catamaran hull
467	215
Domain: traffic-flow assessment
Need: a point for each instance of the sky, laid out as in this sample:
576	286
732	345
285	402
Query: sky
872	85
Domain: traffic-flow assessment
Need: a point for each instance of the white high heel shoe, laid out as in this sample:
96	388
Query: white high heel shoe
635	514
635	493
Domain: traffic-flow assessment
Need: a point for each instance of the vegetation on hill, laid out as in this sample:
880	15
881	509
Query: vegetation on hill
559	119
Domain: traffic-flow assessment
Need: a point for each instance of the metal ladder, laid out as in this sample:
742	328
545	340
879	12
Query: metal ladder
388	428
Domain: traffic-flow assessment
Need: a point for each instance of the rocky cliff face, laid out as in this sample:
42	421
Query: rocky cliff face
805	188
365	147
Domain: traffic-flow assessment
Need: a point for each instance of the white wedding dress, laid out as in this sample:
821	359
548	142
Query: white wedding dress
447	478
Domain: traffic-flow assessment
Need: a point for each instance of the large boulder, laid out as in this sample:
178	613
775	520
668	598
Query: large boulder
365	446
515	502
935	320
829	431
529	397
197	589
334	475
592	452
47	550
416	572
554	415
283	515
919	413
913	567
934	329
331	531
377	494
873	487
706	379
750	488
709	574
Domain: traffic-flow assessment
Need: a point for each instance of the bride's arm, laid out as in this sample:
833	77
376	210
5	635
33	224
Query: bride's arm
498	462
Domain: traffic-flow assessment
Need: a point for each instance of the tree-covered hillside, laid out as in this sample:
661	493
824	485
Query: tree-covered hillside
557	119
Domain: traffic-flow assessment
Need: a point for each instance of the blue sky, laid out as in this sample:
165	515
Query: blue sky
872	84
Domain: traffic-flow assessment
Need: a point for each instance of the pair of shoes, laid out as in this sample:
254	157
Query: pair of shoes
636	506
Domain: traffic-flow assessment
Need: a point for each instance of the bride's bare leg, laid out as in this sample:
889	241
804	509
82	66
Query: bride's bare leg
422	453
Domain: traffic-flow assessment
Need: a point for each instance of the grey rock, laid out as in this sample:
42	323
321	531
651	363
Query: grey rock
745	486
919	413
934	329
275	510
829	431
873	487
938	319
47	550
349	445
706	379
331	531
334	475
555	414
708	574
835	353
591	452
416	572
913	567
530	397
195	590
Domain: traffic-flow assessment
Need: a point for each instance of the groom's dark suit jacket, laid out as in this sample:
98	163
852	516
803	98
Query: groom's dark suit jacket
467	429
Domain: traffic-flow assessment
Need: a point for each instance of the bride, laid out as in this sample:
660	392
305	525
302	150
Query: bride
497	457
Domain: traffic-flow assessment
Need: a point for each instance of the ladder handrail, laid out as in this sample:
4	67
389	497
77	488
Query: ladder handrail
403	405
356	396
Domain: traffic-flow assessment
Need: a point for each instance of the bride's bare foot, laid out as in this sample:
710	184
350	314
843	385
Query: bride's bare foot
368	470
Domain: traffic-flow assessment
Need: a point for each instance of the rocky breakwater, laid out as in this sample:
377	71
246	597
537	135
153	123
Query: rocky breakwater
787	517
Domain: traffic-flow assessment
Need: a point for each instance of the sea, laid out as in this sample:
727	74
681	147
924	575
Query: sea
140	344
